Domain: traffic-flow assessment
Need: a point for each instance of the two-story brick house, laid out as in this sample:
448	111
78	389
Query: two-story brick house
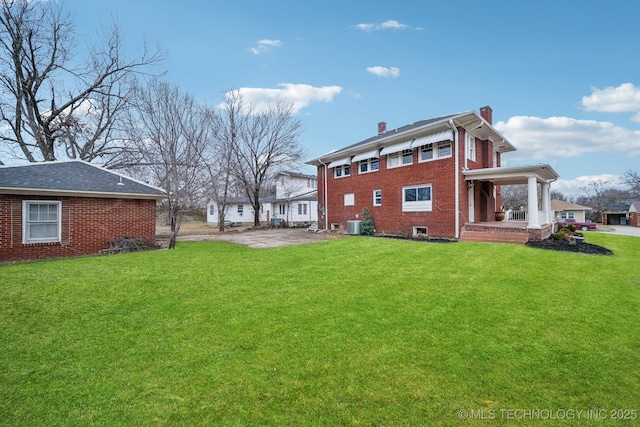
433	178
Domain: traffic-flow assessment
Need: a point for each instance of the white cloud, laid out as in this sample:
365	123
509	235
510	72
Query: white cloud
624	98
553	137
576	186
384	71
391	24
297	95
265	45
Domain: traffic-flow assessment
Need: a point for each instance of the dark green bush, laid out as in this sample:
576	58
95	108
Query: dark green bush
366	224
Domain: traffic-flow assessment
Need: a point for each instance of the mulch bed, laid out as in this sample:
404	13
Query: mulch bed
580	246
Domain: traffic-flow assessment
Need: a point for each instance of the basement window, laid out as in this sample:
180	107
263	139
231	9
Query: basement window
420	231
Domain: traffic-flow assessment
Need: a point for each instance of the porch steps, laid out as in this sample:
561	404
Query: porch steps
485	236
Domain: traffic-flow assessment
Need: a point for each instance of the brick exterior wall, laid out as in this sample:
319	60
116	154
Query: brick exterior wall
88	224
389	219
634	219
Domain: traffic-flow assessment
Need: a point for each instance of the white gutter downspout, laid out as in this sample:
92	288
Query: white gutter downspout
324	196
457	179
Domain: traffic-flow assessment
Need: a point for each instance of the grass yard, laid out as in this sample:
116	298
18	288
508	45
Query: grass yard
354	331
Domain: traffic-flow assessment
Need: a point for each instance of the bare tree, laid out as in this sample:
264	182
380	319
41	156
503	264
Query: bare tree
51	103
632	179
267	141
220	159
599	196
514	196
171	131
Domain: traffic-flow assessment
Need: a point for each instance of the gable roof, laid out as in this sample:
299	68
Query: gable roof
561	205
73	178
469	120
635	207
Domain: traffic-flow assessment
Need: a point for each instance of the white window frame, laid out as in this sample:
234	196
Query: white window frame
342	171
423	198
282	209
399	158
240	210
302	208
349	199
444	144
26	222
377	197
470	145
435	150
370	165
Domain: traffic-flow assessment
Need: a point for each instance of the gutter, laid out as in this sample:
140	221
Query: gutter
324	195
456	138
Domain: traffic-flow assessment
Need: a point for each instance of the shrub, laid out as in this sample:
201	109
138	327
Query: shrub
366	224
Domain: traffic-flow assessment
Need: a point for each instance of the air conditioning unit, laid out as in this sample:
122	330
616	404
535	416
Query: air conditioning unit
353	227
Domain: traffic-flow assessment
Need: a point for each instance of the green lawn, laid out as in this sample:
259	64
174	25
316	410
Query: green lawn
353	331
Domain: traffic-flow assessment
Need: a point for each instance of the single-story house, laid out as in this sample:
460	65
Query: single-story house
634	214
567	210
70	208
434	178
295	202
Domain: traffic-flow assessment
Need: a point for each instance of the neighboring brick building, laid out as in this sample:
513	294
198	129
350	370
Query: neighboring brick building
634	214
429	178
70	208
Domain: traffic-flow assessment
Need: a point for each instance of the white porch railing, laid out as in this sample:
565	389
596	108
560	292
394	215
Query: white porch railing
516	215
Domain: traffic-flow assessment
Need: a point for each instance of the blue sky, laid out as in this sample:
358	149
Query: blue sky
562	77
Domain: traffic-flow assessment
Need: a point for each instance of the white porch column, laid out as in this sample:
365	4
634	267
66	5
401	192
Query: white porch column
546	203
532	192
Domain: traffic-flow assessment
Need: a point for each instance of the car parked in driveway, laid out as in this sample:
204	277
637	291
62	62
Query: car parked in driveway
584	226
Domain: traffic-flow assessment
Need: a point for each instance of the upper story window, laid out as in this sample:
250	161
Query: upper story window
470	146
405	157
41	221
311	183
341	171
369	165
435	151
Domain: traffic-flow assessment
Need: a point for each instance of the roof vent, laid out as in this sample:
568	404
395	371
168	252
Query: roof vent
120	183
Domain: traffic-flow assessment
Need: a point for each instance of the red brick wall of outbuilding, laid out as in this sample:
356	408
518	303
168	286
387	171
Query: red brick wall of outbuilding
88	224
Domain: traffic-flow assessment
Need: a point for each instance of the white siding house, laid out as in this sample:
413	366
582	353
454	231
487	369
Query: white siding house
295	203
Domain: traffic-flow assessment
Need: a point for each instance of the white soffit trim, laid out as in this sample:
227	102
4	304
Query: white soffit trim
373	154
445	135
395	148
340	162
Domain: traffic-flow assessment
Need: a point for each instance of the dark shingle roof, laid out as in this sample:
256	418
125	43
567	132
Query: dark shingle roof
73	177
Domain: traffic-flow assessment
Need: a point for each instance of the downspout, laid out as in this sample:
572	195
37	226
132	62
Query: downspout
457	177
324	196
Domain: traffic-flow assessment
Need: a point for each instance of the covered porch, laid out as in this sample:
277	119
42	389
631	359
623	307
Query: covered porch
539	221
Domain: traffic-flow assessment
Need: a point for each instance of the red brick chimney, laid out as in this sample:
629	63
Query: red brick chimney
487	114
382	127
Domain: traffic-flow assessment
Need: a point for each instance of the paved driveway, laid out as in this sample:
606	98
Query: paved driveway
625	230
265	238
